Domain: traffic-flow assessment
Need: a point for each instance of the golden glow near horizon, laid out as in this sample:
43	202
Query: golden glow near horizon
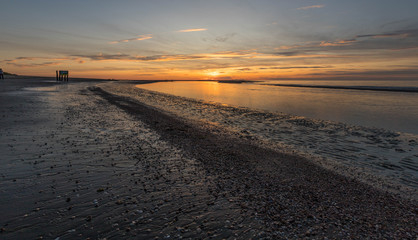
217	40
213	74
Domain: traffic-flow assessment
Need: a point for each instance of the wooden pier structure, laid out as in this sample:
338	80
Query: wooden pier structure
62	75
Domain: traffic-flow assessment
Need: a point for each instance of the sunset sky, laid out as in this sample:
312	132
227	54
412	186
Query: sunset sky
211	39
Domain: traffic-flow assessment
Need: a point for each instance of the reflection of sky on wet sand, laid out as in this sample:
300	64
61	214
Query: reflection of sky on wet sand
390	110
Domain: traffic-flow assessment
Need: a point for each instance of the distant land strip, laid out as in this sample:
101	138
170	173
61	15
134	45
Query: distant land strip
370	88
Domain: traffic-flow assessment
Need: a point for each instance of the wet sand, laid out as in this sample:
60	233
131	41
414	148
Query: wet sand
383	158
80	161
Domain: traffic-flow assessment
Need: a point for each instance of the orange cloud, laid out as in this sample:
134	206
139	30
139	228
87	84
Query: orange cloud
193	30
140	38
337	43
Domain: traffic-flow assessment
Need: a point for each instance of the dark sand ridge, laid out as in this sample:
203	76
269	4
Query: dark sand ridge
95	164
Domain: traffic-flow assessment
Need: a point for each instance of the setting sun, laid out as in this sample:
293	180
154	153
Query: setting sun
213	74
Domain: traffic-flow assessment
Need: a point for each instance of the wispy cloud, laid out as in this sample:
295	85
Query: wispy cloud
126	57
28	65
225	37
193	30
362	41
40	58
396	34
27	62
337	43
102	56
295	67
233	53
310	7
244	69
289	53
140	38
169	57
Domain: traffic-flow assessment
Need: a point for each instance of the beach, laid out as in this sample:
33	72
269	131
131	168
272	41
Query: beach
105	160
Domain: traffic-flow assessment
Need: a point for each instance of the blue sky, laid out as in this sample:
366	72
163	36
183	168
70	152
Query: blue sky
212	39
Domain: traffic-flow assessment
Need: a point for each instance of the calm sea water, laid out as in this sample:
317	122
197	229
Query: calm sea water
397	111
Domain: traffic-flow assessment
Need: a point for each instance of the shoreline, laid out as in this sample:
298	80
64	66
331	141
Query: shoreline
332	145
362	88
93	163
353	107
